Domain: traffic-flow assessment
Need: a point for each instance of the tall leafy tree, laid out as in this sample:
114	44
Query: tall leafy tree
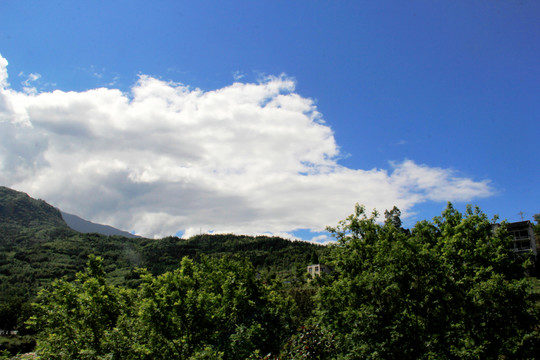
77	320
215	306
211	309
449	289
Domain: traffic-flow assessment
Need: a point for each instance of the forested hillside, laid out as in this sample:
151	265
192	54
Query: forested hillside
18	210
451	288
36	247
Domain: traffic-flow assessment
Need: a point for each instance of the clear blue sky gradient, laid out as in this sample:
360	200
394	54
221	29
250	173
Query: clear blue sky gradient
451	84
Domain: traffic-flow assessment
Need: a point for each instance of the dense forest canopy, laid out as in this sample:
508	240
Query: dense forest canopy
447	289
450	288
37	247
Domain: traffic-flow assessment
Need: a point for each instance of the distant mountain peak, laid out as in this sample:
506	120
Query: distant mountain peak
85	226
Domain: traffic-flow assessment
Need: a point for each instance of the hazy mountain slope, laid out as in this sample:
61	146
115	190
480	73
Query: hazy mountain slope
84	226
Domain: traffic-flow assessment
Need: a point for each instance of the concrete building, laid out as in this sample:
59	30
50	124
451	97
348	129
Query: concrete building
318	269
524	238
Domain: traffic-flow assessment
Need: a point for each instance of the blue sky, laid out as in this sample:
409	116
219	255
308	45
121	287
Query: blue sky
438	100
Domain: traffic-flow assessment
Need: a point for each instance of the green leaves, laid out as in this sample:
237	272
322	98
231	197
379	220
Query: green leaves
447	289
75	319
215	307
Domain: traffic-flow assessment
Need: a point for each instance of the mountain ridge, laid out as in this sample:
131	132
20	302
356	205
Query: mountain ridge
37	246
20	209
84	226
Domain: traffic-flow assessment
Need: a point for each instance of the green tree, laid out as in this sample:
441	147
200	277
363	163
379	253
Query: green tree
449	289
215	306
393	217
77	320
310	342
10	310
211	309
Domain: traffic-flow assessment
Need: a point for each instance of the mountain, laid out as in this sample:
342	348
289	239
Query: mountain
84	226
37	246
20	210
39	243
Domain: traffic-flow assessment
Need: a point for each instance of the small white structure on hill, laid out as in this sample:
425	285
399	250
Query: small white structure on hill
318	270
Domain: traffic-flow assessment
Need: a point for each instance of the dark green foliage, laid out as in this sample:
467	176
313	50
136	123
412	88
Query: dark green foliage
265	253
262	251
37	247
217	304
310	343
14	344
20	210
76	319
392	217
449	289
215	308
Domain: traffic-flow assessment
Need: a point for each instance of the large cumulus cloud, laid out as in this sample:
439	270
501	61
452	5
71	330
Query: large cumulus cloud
248	158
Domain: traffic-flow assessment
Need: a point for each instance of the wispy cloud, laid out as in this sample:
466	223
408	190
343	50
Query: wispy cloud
238	75
247	158
100	76
95	72
28	84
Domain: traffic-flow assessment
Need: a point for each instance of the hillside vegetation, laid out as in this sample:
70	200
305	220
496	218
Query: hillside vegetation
37	247
450	288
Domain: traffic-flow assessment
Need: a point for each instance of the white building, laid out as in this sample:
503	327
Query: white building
318	269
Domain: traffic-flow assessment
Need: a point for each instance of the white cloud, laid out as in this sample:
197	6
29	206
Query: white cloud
247	158
3	72
238	75
323	239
